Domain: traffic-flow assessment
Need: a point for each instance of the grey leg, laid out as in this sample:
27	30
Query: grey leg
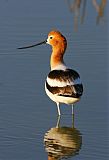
58	121
72	115
72	109
59	113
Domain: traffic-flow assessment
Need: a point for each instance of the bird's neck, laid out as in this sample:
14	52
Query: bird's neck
57	58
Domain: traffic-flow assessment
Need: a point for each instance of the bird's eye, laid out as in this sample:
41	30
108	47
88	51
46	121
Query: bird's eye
51	37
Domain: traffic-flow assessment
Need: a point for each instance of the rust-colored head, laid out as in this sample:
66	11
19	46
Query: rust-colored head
57	40
59	44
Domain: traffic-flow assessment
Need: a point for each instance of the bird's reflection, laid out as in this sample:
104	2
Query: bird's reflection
62	142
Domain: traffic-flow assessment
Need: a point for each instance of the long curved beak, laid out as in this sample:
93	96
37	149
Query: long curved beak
44	42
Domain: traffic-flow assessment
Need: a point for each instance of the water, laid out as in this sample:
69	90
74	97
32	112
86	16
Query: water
28	119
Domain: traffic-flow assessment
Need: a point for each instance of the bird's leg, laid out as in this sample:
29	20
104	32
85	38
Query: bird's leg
72	115
59	113
58	121
72	109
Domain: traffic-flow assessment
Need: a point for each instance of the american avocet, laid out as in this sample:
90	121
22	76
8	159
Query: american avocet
63	85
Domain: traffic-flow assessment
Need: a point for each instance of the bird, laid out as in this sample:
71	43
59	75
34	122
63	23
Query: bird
63	84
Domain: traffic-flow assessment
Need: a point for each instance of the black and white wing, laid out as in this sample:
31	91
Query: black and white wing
64	83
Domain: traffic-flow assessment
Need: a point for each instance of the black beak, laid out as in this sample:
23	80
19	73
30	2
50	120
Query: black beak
44	42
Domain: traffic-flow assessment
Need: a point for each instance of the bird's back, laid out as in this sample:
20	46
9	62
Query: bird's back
65	83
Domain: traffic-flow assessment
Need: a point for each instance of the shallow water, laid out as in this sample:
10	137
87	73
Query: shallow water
28	119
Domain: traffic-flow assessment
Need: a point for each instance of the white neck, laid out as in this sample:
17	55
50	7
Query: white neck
61	66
